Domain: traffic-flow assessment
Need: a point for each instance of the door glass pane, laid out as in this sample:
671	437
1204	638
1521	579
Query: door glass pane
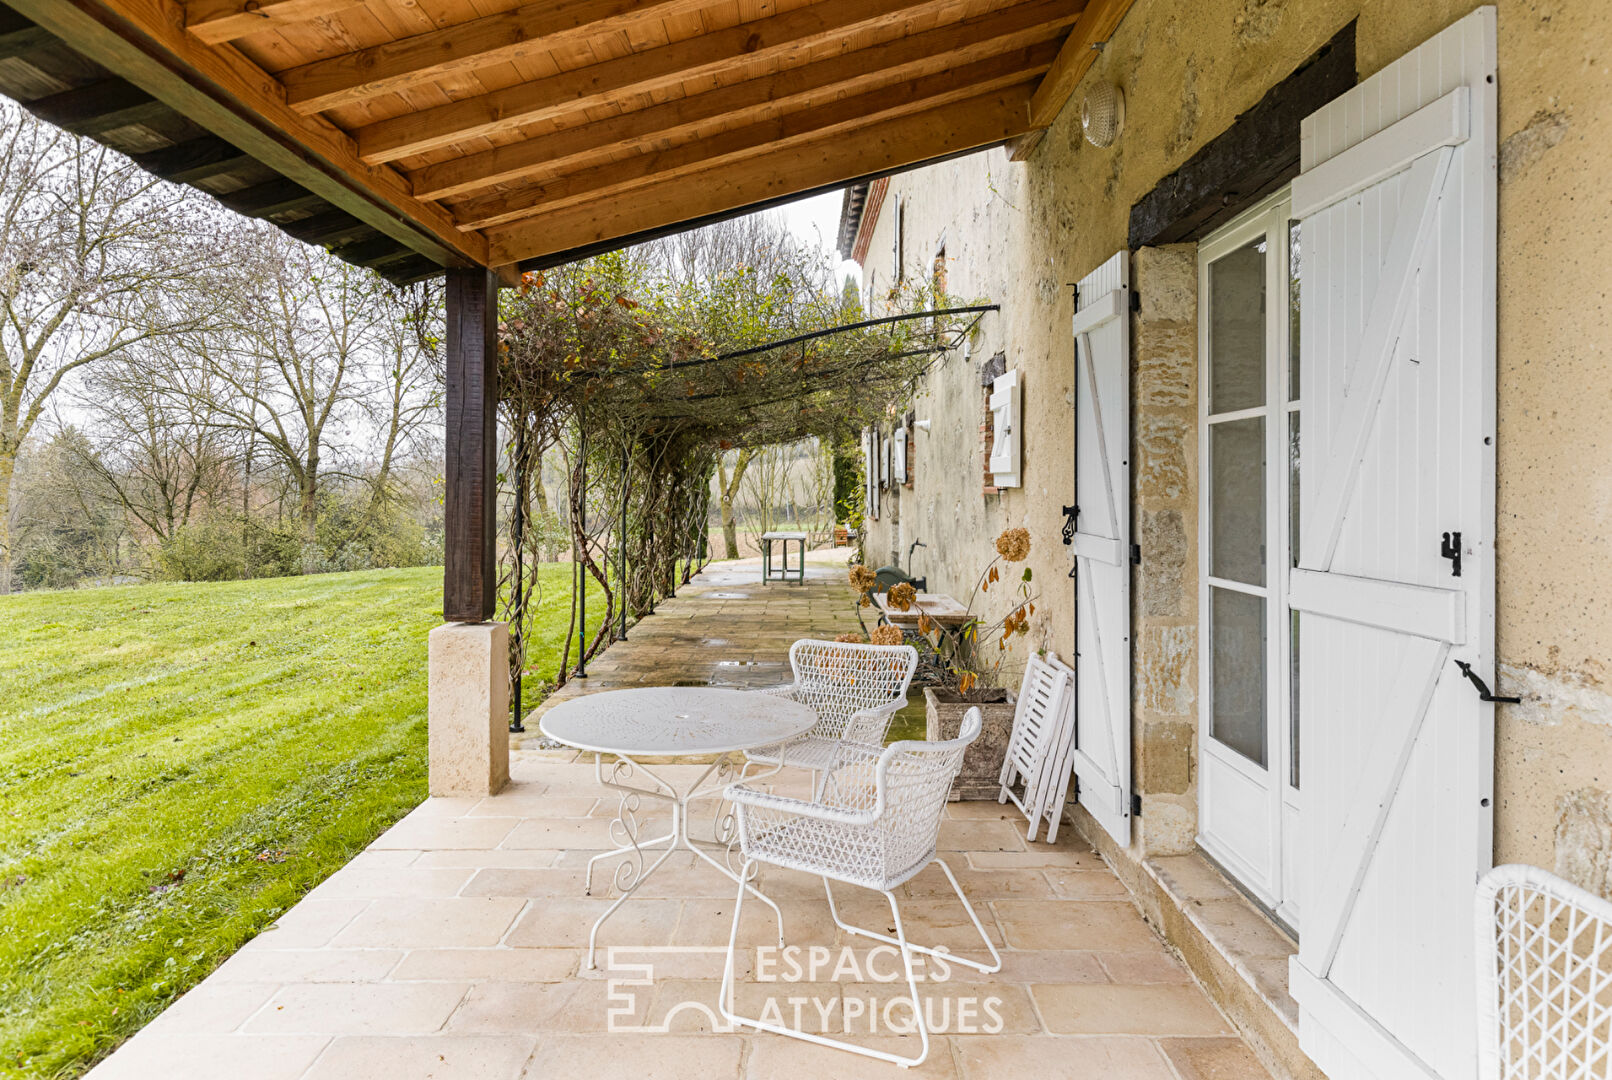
1293	696
1237	500
1237	329
1293	487
1237	627
1292	311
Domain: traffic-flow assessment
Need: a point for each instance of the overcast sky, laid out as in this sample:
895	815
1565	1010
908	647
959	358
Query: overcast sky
817	221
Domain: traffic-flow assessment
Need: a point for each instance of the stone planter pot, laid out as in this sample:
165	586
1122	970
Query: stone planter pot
982	762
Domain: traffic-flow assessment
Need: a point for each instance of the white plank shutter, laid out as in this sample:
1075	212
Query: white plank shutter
1102	543
1397	362
1005	407
898	447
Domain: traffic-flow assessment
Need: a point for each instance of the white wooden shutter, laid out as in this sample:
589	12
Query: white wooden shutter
1397	367
1102	542
1005	425
898	448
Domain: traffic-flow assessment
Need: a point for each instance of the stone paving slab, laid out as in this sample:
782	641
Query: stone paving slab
452	951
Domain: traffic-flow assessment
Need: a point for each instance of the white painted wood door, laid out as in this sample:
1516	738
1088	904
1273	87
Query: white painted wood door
1397	203
1102	543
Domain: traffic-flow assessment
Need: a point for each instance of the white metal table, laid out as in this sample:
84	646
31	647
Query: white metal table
668	721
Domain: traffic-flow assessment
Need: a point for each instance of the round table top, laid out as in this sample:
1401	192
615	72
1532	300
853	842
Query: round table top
656	721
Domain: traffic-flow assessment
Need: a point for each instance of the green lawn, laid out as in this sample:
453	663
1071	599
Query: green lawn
180	763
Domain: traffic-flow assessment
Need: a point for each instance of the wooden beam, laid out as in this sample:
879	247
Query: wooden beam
330	227
745	47
143	41
943	47
840	119
537	28
1097	23
894	144
195	159
97	107
470	487
218	21
270	198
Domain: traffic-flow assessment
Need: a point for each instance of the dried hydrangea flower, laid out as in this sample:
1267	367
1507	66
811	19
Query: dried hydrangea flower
1014	544
862	579
849	639
903	596
886	635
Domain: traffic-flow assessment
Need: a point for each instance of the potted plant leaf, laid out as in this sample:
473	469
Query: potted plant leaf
968	660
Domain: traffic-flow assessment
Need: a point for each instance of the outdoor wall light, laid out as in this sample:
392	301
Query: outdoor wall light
921	425
1102	114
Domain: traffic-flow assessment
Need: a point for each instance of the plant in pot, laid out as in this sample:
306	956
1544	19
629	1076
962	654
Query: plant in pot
966	671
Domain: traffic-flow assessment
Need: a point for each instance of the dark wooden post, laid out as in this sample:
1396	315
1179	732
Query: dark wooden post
470	485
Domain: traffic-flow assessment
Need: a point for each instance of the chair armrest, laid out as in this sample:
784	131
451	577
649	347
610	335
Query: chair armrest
785	691
869	726
743	796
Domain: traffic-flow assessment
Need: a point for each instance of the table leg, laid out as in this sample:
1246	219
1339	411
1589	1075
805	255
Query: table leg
624	830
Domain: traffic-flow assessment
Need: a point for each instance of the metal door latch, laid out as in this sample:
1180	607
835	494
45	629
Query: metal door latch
1069	513
1450	549
1483	687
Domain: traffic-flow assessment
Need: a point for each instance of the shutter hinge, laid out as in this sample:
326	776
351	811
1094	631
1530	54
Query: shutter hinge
1136	805
1136	300
1136	554
1069	513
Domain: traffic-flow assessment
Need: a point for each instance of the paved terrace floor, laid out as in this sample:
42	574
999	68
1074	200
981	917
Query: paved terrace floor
452	949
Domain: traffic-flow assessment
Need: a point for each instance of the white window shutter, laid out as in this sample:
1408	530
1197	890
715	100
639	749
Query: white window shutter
898	448
1102	545
1005	424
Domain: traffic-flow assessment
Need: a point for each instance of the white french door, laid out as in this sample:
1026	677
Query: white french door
1249	412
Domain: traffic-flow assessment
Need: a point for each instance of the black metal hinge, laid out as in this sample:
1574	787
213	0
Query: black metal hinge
1136	805
1483	687
1136	554
1069	513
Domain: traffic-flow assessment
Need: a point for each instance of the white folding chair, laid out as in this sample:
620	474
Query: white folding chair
1544	978
873	824
1039	723
856	691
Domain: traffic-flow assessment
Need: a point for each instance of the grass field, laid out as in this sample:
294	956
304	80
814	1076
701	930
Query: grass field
180	763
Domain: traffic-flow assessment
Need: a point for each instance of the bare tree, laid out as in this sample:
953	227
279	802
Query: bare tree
159	455
95	257
405	399
727	489
287	372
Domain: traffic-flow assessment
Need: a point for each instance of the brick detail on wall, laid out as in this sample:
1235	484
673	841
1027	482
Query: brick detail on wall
1165	598
989	371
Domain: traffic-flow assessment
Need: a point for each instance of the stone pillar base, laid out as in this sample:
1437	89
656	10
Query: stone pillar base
468	708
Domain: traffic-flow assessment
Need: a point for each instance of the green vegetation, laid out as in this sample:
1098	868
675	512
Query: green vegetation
179	764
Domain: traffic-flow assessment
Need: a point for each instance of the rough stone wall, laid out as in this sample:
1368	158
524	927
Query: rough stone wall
1017	233
1164	422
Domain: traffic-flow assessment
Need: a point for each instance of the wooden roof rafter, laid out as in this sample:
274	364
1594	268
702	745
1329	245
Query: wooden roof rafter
467	134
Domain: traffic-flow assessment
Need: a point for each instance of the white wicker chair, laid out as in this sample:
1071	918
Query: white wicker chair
856	691
873	824
1544	978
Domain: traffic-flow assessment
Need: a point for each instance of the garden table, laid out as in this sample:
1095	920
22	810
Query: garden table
661	722
782	574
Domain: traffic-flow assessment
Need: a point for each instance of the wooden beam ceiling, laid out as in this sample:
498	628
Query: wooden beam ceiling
748	47
562	151
842	119
404	134
966	125
400	65
217	21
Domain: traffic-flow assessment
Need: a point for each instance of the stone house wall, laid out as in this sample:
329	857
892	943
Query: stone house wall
1017	233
